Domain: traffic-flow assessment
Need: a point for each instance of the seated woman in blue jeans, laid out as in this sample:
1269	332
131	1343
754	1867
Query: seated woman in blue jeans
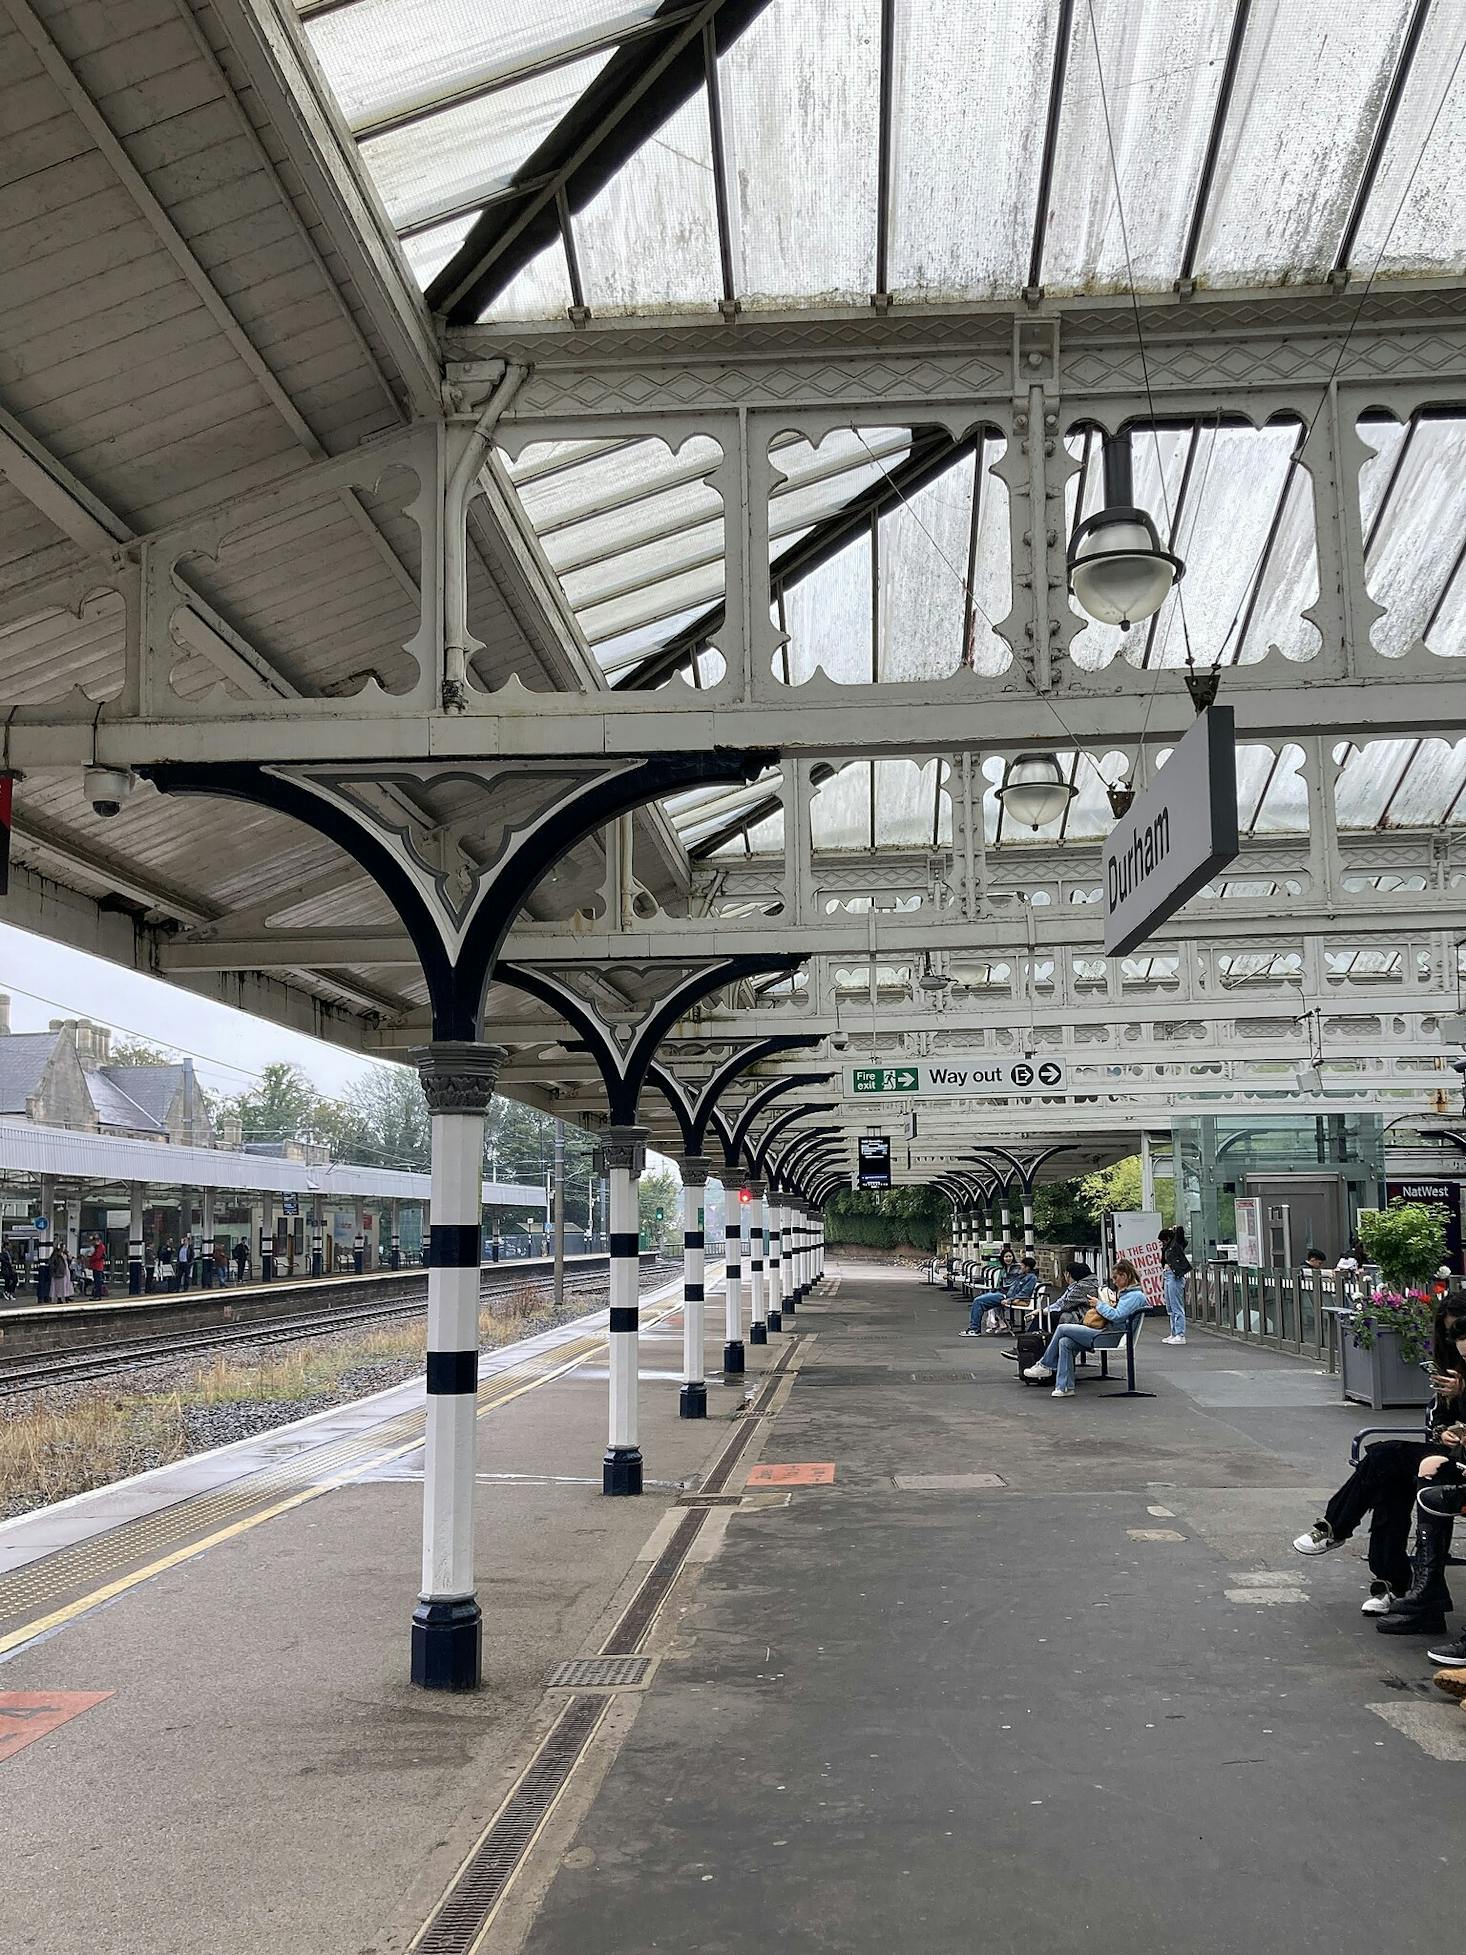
1116	1306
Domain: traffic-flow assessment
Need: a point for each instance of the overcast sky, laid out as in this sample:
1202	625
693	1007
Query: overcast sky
45	980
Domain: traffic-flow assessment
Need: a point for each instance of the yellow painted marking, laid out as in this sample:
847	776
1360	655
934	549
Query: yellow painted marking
71	1610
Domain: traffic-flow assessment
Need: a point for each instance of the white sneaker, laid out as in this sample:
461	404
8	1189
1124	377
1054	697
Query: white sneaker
1379	1601
1062	1391
1039	1373
1318	1540
1173	1340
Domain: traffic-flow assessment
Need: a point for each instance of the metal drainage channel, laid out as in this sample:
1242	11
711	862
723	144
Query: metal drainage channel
456	1926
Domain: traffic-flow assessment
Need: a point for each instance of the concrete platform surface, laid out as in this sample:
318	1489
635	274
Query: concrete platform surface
950	1666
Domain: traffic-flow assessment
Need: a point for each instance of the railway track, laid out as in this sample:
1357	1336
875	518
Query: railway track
100	1360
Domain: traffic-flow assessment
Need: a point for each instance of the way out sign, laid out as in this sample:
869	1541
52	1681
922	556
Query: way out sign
990	1079
1176	835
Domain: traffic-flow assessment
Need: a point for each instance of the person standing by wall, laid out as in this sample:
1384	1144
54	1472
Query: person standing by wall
97	1264
1177	1269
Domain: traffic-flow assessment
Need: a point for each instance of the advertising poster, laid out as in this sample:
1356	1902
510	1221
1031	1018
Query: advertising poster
1136	1237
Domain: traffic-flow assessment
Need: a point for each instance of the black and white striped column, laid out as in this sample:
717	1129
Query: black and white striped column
136	1269
267	1243
758	1330
318	1238
1030	1240
789	1241
447	1628
394	1240
693	1403
207	1275
732	1285
622	1156
1006	1216
771	1258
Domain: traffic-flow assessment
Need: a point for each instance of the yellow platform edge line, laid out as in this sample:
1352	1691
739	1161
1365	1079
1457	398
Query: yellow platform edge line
58	1618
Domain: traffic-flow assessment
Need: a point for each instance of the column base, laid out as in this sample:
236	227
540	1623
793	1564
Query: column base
447	1645
787	1308
776	1320
693	1404
732	1361
621	1470
758	1334
134	1279
318	1265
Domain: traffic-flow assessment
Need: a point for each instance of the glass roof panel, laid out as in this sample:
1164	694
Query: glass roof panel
469	152
839	814
602	482
1310	84
691	590
907	806
1150	89
665	191
1284	808
967	82
1418	538
801	106
387	57
540	291
1415	220
1432	789
646	569
664	517
924	546
1366	780
429	251
828	618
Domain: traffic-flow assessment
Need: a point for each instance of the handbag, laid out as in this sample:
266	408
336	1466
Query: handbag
1094	1321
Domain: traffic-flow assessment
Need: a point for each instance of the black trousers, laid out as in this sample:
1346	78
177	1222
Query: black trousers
1383	1485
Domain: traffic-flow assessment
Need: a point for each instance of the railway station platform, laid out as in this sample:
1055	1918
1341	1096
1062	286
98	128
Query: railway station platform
911	1657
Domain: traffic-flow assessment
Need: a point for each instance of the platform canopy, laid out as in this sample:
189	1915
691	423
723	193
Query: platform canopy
601	471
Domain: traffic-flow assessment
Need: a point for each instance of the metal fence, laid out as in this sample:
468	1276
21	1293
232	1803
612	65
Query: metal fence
1281	1309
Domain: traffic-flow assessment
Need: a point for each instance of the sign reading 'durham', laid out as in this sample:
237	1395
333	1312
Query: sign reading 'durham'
1177	834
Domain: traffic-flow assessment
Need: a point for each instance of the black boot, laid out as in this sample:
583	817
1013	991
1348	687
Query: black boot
1422	1610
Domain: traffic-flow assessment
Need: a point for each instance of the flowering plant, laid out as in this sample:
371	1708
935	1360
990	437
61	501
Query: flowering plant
1411	1315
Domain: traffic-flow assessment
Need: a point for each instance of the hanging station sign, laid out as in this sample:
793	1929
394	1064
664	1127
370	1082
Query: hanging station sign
985	1079
1176	835
873	1161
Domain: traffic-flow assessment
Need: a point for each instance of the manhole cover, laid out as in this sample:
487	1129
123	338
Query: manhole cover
599	1673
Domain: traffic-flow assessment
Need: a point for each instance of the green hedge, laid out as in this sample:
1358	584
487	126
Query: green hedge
882	1231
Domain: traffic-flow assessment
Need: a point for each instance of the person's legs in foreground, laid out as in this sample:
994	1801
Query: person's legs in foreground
1382	1485
1421	1610
1175	1290
1057	1361
982	1303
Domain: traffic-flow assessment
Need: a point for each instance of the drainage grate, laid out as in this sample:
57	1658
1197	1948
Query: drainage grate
479	1885
642	1609
599	1673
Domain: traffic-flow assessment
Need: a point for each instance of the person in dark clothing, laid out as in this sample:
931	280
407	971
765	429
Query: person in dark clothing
1173	1281
1385	1482
241	1259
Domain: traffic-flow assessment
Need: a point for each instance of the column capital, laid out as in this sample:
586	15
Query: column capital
621	1147
696	1170
458	1075
756	1190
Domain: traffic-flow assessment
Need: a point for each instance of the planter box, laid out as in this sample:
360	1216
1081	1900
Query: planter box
1379	1378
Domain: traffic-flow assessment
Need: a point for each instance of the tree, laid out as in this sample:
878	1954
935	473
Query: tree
380	1121
283	1105
137	1052
658	1192
1060	1215
1117	1188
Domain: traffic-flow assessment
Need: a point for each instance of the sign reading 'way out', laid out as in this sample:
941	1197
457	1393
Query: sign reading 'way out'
996	1079
1176	835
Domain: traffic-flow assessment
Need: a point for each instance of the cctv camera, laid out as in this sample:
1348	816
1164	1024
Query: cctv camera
107	788
839	1040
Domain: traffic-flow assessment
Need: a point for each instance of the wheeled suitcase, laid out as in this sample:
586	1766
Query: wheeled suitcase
1031	1346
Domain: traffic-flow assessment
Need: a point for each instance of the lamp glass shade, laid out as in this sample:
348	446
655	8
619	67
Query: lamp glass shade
1118	575
1034	790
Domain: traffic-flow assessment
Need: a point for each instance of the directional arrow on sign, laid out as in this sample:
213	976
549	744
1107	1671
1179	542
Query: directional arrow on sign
904	1079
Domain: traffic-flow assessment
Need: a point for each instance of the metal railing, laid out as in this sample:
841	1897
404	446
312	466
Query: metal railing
1280	1309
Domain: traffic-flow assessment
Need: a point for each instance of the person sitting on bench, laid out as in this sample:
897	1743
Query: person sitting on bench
1384	1483
1115	1307
1018	1287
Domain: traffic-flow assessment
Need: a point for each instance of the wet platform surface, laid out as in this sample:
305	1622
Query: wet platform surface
945	1665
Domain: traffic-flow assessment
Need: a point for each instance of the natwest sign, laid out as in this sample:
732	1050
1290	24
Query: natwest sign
1177	834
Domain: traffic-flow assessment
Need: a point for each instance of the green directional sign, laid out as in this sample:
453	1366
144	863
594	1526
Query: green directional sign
887	1079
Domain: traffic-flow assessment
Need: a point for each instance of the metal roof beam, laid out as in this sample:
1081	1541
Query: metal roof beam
625	104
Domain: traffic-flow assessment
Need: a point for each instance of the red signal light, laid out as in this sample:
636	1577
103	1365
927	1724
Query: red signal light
744	1196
